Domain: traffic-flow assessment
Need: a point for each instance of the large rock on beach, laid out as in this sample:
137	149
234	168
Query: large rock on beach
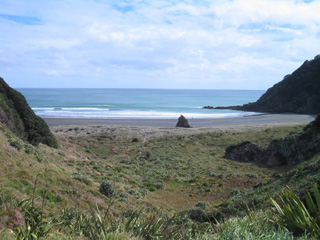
183	122
16	114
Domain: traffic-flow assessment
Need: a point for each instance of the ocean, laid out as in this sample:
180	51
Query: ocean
136	103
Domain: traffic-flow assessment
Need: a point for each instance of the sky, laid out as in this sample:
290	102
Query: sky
190	44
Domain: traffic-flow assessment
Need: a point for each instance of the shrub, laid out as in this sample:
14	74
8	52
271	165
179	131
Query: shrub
107	188
197	214
81	178
39	157
251	175
148	154
28	148
15	144
205	184
151	186
124	195
221	176
235	192
132	192
203	205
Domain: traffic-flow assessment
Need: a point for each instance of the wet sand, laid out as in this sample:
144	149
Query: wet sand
162	127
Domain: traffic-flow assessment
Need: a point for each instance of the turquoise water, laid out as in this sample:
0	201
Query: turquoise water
136	103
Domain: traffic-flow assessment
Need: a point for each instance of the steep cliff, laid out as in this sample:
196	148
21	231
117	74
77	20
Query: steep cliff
16	114
298	92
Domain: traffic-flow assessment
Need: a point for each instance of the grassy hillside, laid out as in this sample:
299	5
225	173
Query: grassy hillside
184	177
16	114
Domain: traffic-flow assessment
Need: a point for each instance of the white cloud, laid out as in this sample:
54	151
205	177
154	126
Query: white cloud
284	29
207	44
278	11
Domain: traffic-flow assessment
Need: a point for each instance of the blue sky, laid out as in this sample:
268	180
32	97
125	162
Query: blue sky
200	44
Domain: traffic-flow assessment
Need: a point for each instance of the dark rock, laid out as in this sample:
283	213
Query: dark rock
298	92
290	150
16	114
245	152
208	107
281	152
182	122
294	150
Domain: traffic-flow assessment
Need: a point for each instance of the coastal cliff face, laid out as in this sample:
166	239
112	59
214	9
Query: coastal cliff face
298	92
16	114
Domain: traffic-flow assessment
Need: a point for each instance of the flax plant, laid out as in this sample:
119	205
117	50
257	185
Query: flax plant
298	216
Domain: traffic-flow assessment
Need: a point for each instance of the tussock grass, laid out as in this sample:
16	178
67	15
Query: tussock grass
255	226
171	173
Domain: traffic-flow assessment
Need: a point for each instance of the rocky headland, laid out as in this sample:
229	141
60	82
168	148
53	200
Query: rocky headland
298	92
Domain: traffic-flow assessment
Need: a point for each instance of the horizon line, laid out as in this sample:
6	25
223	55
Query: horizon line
119	88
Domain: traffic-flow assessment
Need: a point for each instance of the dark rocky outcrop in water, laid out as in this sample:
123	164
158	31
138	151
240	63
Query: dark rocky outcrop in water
16	114
183	122
298	92
291	150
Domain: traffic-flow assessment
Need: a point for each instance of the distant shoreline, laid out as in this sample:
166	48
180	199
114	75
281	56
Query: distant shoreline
255	120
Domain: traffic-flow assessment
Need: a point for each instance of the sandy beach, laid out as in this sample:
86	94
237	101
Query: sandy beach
147	128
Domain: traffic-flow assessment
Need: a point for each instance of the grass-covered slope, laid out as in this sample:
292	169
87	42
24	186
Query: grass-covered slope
182	176
19	117
300	151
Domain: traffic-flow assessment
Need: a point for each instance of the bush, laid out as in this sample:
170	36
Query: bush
28	148
15	144
235	192
151	186
203	205
39	157
81	178
124	195
197	214
251	175
148	154
107	188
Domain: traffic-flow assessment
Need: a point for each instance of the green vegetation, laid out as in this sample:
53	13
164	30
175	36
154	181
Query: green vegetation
107	188
16	114
118	187
298	216
298	179
256	226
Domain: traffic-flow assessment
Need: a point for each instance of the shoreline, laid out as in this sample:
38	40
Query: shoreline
148	128
277	119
